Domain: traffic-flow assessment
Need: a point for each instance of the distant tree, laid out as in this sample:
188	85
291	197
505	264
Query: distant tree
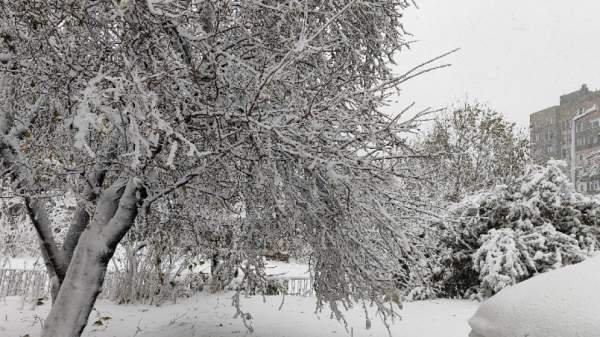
478	149
511	232
271	104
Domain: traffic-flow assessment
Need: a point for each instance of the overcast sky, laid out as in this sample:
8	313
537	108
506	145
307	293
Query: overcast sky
518	56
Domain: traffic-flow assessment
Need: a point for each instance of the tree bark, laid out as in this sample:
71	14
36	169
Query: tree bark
114	216
54	281
78	292
53	257
81	217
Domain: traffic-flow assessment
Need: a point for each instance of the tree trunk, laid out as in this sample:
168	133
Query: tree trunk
115	214
77	295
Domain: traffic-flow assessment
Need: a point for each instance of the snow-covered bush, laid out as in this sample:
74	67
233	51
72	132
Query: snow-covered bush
500	237
508	256
501	260
152	274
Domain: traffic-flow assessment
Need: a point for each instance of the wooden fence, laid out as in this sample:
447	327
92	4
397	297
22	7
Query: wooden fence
22	282
35	284
299	286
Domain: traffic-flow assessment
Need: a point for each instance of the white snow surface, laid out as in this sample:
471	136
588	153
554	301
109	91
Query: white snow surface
561	303
292	269
207	315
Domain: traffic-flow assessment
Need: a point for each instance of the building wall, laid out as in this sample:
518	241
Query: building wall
551	134
544	140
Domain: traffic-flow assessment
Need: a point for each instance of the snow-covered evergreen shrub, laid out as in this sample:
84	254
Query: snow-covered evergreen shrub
500	237
501	260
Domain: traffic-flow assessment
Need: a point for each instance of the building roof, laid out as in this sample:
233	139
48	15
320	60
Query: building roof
573	96
546	111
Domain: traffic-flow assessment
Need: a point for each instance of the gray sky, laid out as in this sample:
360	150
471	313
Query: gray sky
518	56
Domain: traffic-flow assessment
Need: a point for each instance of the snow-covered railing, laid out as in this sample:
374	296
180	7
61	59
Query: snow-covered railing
24	282
299	286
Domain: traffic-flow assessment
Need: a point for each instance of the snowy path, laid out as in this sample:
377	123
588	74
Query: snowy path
212	316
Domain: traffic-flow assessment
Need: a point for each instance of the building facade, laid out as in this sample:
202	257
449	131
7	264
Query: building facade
570	131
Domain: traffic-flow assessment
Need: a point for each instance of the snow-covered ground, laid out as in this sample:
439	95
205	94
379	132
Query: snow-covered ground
212	315
286	269
208	315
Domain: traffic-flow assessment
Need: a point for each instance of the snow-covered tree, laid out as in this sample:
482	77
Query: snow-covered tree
274	105
512	232
477	147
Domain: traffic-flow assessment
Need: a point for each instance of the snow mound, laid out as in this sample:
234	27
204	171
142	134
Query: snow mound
561	303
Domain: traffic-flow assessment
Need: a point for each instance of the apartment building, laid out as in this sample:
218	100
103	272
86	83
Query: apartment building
570	131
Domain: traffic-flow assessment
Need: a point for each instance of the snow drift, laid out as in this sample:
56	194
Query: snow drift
561	303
